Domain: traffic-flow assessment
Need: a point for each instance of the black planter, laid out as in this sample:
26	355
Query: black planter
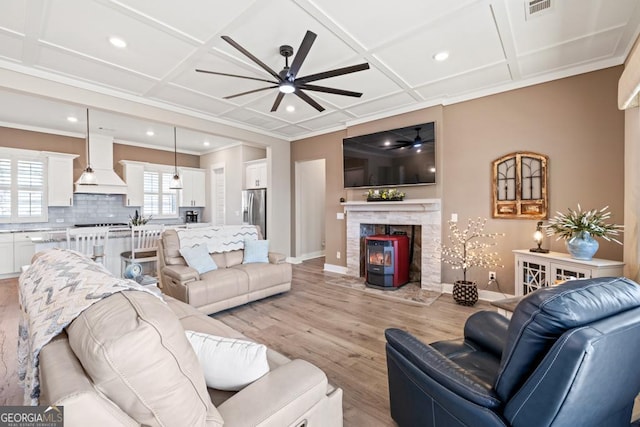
465	293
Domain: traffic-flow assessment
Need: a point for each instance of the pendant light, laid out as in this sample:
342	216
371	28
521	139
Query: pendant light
88	177
176	182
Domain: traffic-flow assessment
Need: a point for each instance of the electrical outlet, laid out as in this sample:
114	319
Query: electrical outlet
492	275
338	254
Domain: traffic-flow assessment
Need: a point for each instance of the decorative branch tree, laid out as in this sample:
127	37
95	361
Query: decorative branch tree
470	247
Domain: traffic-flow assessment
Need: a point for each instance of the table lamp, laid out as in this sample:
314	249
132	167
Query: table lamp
537	237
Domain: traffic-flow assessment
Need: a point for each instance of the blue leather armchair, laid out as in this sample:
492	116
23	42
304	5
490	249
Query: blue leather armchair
570	356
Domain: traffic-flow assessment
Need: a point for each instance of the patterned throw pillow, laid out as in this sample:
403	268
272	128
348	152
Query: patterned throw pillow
229	364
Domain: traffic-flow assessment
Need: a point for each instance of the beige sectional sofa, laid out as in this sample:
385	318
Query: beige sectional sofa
125	361
232	284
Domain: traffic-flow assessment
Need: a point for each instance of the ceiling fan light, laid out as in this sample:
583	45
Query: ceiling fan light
417	145
287	87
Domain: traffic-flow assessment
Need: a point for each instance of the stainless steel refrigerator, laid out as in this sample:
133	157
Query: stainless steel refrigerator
254	208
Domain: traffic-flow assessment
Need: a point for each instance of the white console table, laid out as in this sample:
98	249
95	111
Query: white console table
537	270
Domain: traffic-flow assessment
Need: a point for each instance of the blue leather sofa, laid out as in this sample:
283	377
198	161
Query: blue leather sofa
570	356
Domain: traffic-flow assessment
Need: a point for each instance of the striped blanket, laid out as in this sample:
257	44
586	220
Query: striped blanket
218	238
55	289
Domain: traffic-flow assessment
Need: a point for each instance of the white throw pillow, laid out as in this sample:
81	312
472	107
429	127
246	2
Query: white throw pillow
229	364
198	257
256	251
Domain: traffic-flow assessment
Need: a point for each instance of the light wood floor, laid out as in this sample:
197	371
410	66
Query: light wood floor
341	331
338	329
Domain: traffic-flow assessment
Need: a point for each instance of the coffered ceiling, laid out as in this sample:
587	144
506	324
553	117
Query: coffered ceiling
493	45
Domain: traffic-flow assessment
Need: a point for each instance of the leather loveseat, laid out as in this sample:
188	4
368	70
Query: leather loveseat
231	284
125	361
568	357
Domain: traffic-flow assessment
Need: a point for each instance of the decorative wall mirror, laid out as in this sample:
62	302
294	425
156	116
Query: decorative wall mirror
520	186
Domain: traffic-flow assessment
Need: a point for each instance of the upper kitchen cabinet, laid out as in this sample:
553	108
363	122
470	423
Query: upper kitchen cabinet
193	187
256	174
134	177
60	179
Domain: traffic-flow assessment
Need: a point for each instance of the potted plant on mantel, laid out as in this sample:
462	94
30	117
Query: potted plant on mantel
469	248
579	227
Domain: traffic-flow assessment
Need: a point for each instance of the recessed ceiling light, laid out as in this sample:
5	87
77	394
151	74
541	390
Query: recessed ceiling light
441	56
432	169
150	133
72	119
117	42
206	143
291	108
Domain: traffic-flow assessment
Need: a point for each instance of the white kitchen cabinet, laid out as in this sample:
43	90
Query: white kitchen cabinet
193	187
23	249
537	270
6	253
256	174
134	178
60	179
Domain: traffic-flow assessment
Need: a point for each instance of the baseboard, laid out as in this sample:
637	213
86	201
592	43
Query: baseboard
483	294
305	257
335	268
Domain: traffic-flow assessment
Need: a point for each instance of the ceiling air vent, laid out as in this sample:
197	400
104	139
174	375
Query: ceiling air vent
535	8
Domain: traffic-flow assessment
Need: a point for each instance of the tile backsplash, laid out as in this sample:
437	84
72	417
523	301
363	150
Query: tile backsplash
93	209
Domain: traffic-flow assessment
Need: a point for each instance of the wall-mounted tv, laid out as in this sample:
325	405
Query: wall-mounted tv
404	156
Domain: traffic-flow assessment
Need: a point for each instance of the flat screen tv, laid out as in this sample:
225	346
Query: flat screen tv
391	158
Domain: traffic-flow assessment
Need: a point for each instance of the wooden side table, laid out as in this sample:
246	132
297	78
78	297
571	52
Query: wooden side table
507	306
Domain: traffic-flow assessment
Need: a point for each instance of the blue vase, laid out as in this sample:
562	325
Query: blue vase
582	246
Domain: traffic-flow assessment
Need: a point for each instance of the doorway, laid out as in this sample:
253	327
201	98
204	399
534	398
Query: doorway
218	195
310	209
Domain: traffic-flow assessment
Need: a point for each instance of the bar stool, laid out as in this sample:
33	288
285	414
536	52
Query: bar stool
144	245
91	241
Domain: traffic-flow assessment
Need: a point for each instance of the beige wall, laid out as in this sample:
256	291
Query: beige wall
40	141
575	121
149	155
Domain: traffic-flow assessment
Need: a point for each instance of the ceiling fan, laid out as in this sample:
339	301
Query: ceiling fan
416	143
287	80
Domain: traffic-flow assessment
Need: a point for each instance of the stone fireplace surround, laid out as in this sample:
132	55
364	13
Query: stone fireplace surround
424	212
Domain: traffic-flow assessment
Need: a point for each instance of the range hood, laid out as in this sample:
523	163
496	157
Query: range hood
108	182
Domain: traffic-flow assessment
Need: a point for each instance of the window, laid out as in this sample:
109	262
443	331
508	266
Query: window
159	199
22	188
520	186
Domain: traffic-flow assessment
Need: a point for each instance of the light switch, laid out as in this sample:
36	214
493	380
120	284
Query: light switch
340	215
454	217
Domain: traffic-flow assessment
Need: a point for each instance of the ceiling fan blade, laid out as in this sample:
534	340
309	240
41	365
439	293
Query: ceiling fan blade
248	92
306	98
333	73
248	54
236	75
331	90
276	104
303	51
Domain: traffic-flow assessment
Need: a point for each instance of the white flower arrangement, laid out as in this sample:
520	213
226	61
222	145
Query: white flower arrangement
470	247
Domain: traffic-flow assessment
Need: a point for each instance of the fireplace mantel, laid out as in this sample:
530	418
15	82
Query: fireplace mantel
415	205
424	212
